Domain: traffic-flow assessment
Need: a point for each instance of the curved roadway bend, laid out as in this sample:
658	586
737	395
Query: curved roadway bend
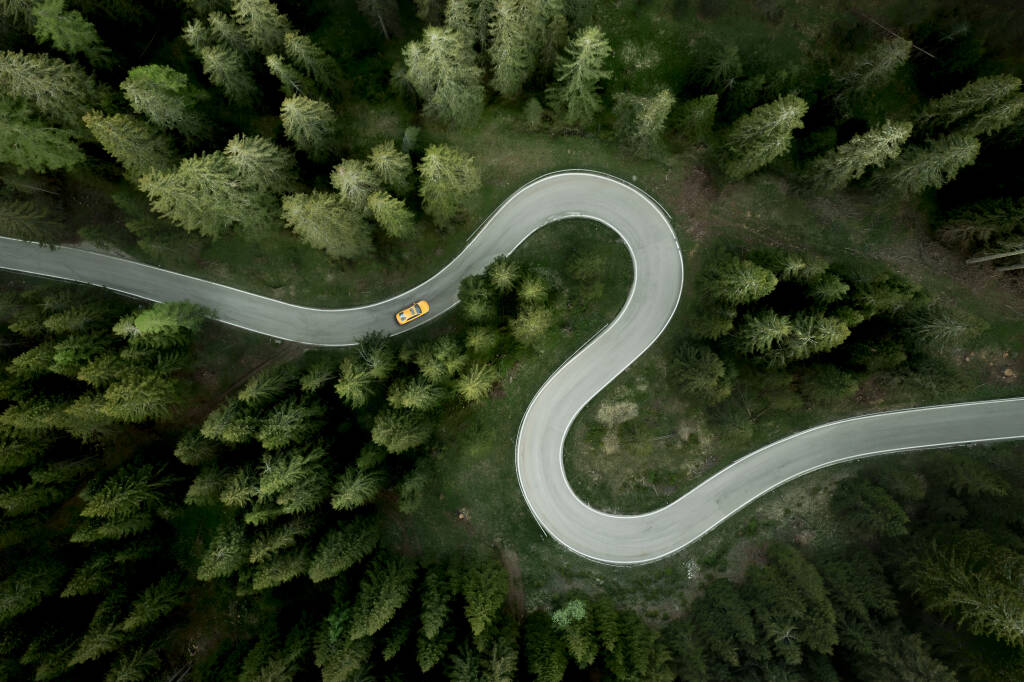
653	297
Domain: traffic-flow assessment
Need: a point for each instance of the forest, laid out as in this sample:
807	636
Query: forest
183	501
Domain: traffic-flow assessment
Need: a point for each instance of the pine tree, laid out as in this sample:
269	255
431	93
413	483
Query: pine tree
702	373
231	422
136	666
227	552
224	30
32	220
482	341
317	375
165	97
763	332
399	431
697	116
59	91
436	594
510	50
475	383
577	626
545	653
355	182
155	602
726	628
279	570
385	587
641	120
227	70
342	548
1000	115
133	142
356	487
262	24
30	145
129	491
484	586
738	281
972	99
920	168
355	385
324	222
141	396
391	166
447	177
197	35
869	508
68	30
92	577
311	125
442	69
272	540
21	500
575	95
312	59
763	135
849	161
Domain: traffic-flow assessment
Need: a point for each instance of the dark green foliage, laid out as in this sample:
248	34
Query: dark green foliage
154	603
165	97
29	144
484	585
25	587
383	590
342	548
400	431
869	507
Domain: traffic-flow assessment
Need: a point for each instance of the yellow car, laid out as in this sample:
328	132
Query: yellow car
418	309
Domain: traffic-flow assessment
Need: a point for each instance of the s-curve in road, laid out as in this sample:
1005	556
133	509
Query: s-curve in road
657	284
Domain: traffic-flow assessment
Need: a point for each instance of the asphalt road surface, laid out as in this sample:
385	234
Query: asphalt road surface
657	284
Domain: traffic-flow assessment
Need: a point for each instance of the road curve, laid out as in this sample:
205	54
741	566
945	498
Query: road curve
657	283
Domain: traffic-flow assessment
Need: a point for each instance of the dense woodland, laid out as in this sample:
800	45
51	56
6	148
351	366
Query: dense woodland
151	530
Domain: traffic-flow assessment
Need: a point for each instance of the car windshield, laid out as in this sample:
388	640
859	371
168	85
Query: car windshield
414	310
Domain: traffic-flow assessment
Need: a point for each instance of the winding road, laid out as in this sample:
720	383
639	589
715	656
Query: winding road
657	284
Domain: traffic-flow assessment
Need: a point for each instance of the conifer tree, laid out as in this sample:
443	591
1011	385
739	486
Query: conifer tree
272	540
398	431
545	652
354	385
1000	115
436	595
312	59
869	508
763	135
355	182
391	166
129	491
641	120
59	91
261	165
317	375
697	116
342	548
267	385
481	341
280	569
262	24
21	500
575	95
26	584
415	394
385	587
763	332
135	143
230	422
511	50
28	144
447	177
382	14
391	214
871	70
323	221
484	586
290	422
227	70
293	82
227	552
921	168
576	624
442	69
165	97
32	220
738	281
970	100
356	487
727	627
503	274
311	125
155	602
141	396
530	325
197	35
138	664
849	161
475	383
103	635
68	30
92	577
224	30
702	373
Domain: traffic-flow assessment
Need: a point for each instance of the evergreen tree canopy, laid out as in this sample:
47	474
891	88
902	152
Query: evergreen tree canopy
442	69
575	95
165	97
763	135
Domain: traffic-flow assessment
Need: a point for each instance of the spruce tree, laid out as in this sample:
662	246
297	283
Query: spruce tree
28	144
970	100
484	586
165	97
59	91
267	385
391	166
293	82
279	570
227	69
726	629
736	281
135	143
385	587
641	120
849	161
577	626
921	168
155	602
323	221
355	488
702	373
531	324
763	135
311	125
138	664
575	95
511	50
870	70
68	30
869	508
227	552
355	182
355	385
225	30
342	548
475	383
129	491
26	584
261	165
391	214
447	177
33	220
442	69
262	24
1000	115
141	396
312	59
697	116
